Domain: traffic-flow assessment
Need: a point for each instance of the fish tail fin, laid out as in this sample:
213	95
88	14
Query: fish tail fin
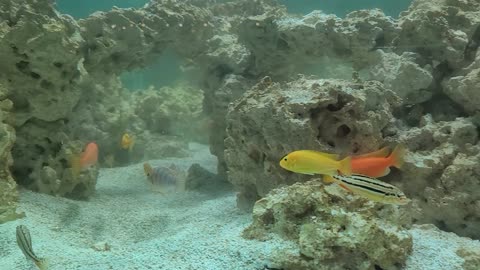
130	147
397	156
346	166
328	179
148	170
181	183
75	165
42	264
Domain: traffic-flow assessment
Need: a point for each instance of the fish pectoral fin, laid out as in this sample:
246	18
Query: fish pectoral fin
345	187
328	179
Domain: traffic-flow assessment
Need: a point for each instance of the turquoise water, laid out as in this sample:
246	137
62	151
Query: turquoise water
166	70
80	9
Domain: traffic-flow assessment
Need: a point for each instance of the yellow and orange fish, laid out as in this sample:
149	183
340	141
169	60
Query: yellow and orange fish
127	142
88	158
314	162
377	164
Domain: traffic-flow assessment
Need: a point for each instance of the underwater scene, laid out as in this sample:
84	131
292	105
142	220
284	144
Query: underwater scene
240	134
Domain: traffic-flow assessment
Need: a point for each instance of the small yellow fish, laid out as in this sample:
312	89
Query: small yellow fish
313	162
370	188
127	142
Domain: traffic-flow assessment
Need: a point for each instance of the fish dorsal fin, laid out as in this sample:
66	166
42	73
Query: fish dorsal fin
384	152
327	155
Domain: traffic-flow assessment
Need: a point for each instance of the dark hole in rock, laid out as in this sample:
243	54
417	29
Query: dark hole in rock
355	148
116	57
222	70
378	267
64	163
34	75
98	35
39	149
22	65
64	74
330	143
111	109
463	226
63	88
341	102
58	64
14	49
243	141
46	85
300	115
48	140
442	225
343	131
282	45
315	113
78	192
343	228
44	164
21	176
56	148
268	218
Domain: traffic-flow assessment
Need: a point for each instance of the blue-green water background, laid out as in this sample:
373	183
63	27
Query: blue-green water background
166	70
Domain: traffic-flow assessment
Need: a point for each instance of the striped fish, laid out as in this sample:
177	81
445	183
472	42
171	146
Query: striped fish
24	241
369	188
165	179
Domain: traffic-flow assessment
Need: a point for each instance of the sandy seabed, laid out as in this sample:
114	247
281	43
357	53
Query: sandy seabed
146	230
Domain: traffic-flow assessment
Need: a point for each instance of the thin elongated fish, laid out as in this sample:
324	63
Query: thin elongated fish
370	188
24	241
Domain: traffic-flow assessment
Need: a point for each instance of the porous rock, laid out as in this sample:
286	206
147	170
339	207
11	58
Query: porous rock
333	230
440	174
273	119
471	257
402	75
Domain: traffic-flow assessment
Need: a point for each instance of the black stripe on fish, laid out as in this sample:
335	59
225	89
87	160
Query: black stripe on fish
346	179
370	180
24	241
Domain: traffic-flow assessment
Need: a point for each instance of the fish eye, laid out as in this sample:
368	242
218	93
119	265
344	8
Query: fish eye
285	159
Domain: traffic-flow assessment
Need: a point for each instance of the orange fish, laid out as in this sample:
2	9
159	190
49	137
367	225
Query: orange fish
87	158
377	164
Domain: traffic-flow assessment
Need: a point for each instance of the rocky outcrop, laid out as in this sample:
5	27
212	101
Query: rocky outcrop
67	92
440	173
8	191
273	119
332	230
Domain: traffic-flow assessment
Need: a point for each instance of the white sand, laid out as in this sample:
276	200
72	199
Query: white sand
146	230
434	249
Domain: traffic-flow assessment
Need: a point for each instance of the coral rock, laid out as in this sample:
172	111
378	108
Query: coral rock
273	119
333	230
